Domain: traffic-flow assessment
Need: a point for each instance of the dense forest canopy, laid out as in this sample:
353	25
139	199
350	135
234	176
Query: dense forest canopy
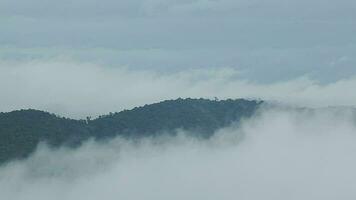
22	130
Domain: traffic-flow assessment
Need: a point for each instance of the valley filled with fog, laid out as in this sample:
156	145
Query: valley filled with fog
279	153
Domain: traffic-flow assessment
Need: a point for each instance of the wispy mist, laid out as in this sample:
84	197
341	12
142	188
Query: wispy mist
81	89
278	154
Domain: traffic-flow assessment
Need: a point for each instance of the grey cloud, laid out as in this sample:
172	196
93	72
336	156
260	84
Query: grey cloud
263	65
142	8
270	40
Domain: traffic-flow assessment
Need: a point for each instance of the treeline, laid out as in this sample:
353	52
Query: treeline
21	131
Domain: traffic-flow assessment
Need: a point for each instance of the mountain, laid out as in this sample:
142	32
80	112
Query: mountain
22	130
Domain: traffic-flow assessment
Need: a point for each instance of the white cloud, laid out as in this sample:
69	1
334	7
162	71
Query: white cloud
276	155
80	89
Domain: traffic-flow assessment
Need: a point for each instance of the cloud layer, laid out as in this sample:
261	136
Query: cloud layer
268	40
279	154
81	89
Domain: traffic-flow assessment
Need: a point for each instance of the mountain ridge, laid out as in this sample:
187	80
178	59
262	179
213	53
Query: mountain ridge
22	130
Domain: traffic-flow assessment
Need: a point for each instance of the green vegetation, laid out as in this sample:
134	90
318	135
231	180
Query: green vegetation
21	131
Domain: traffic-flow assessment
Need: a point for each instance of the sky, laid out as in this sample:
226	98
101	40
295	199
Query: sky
265	44
266	41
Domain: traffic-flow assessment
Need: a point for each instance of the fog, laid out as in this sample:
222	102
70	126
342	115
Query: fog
80	89
277	154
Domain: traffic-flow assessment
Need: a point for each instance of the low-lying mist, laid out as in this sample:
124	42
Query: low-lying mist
77	90
278	154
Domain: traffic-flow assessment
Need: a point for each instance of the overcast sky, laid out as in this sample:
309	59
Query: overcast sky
269	45
266	40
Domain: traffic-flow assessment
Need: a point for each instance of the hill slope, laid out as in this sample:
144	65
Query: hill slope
21	131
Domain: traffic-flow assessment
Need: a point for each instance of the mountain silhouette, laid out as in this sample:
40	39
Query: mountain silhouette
22	130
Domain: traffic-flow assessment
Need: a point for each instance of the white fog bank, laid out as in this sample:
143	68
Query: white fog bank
77	90
278	155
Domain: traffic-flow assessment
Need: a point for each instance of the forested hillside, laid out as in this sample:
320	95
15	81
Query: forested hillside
21	131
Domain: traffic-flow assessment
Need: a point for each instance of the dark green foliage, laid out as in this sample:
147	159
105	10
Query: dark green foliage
21	131
199	115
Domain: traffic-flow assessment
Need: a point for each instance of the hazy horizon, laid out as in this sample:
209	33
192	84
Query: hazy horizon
81	58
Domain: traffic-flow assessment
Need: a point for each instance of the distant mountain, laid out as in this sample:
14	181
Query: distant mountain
21	131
